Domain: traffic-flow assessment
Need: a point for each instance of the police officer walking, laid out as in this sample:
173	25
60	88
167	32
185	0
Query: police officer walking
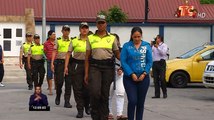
23	59
61	48
101	47
36	61
78	47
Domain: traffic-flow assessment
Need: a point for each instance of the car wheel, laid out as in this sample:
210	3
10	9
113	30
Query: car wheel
179	80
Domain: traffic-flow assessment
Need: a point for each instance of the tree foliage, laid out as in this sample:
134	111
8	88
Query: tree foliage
114	15
207	1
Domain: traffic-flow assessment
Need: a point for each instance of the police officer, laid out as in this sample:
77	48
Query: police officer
61	47
23	59
36	61
78	47
101	47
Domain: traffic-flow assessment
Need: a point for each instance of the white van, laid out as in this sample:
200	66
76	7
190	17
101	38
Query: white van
208	76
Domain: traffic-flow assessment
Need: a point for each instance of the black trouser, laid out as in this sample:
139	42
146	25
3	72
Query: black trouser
38	69
28	72
1	72
81	93
159	73
100	79
60	78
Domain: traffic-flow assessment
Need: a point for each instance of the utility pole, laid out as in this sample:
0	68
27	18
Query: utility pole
43	20
146	10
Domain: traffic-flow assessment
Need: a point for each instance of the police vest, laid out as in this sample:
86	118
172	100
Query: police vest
37	49
63	45
79	45
26	47
105	42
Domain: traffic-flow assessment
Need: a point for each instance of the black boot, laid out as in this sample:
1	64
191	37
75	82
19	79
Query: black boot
57	100
88	110
79	114
67	105
165	95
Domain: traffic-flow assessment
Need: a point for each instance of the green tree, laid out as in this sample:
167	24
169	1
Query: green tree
114	15
207	1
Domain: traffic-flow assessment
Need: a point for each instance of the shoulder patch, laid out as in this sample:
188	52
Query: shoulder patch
23	43
58	38
31	45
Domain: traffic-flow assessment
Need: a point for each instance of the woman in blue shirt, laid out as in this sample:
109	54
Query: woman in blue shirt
136	61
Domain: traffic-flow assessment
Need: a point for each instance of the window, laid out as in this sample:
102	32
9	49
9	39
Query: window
7	45
208	55
191	52
7	33
18	32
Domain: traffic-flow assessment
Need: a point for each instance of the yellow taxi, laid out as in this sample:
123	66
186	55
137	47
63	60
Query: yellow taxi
190	66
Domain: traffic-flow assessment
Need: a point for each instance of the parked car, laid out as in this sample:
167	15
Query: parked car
208	77
189	67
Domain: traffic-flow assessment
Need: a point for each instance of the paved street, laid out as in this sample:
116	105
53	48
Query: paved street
192	103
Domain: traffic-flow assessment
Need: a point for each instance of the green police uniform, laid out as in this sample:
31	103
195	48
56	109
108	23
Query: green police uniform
62	48
101	73
25	48
81	94
37	63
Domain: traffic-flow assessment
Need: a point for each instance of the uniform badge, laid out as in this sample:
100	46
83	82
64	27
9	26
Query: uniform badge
108	40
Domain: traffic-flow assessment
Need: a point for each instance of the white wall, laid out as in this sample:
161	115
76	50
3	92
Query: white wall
16	42
183	39
38	30
125	32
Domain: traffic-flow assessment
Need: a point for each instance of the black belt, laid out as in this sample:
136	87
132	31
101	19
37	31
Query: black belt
37	61
77	61
108	62
161	62
59	61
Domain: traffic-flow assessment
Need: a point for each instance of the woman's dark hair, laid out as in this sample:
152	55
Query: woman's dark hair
118	40
50	32
161	38
135	29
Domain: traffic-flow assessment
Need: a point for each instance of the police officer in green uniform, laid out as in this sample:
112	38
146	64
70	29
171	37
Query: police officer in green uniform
78	47
23	59
61	48
99	72
36	61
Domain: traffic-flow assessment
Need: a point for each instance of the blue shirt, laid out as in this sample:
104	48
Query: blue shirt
136	60
41	102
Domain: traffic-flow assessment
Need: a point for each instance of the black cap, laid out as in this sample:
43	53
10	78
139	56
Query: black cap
28	34
36	36
101	18
83	24
66	27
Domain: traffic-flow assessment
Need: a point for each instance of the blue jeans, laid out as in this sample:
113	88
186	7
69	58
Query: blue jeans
136	94
49	72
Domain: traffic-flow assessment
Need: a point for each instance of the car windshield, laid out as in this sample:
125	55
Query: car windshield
191	52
